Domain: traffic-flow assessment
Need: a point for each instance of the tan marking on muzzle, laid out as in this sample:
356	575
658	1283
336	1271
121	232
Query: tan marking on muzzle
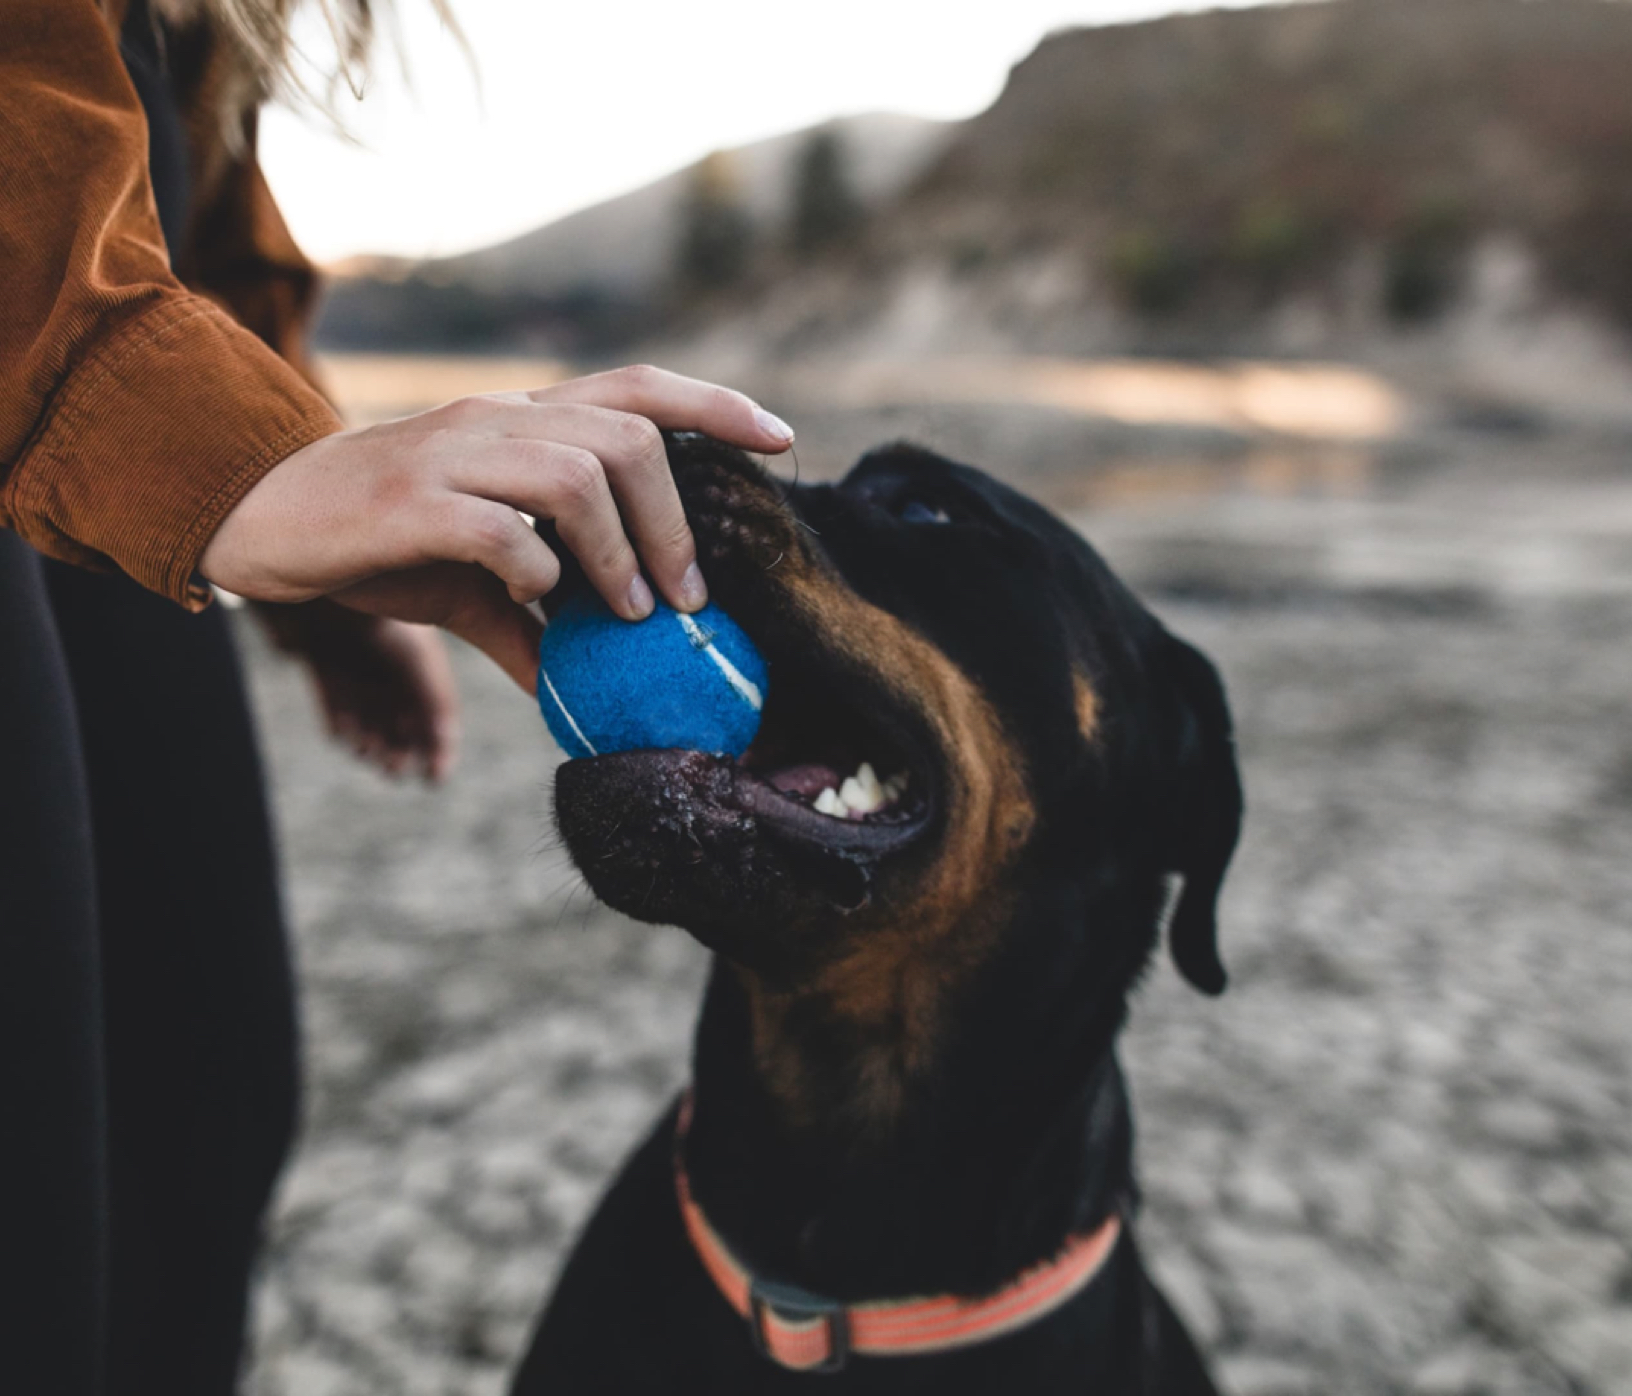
893	987
1087	705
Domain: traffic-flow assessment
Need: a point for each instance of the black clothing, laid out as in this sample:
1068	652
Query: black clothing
147	1035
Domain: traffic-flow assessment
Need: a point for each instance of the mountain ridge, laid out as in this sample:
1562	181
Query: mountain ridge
605	258
1345	178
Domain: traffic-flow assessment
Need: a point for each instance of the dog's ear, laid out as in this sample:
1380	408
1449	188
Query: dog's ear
1203	818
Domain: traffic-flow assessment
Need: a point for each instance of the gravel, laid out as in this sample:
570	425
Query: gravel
1395	1157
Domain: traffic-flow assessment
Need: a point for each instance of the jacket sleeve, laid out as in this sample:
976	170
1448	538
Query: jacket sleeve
241	255
133	414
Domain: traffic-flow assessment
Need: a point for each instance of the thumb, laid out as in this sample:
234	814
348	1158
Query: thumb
503	629
465	600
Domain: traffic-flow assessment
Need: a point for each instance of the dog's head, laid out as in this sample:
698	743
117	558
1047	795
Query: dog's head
1051	763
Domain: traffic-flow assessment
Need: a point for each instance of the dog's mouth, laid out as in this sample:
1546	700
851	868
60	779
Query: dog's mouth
842	777
834	771
833	765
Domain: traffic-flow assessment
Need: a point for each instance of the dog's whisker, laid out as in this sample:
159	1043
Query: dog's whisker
560	902
785	487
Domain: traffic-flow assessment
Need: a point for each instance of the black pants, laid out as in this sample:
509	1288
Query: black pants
147	1039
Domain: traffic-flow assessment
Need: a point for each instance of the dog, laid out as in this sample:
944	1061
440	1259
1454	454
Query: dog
906	1156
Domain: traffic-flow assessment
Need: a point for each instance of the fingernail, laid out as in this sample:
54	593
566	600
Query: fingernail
772	425
640	597
693	590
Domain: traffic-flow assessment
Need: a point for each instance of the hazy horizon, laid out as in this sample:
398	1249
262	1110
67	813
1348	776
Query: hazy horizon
433	168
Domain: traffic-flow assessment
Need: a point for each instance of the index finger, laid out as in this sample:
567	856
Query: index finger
677	403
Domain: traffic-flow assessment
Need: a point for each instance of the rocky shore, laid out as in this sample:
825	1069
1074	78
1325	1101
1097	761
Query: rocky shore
1395	1158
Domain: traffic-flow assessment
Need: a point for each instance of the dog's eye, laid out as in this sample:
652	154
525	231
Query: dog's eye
915	511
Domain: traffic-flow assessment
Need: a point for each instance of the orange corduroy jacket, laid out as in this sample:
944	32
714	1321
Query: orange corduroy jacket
137	406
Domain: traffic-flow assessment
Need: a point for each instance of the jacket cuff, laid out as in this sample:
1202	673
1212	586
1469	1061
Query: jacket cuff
153	439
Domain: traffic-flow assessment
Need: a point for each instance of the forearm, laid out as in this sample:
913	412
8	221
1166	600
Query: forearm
133	415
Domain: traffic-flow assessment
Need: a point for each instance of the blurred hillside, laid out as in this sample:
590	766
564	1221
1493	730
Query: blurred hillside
1362	178
600	278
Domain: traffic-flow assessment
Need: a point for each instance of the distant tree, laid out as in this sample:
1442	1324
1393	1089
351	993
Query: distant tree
716	232
1425	256
1152	272
825	207
1273	241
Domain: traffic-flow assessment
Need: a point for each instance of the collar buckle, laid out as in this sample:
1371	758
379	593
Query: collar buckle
796	1305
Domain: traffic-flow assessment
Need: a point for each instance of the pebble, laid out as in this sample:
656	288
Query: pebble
1261	1190
1268	1376
1596	1349
1538	1280
1463	1371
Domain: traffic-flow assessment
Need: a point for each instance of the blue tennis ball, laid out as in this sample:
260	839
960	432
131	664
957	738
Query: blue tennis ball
671	680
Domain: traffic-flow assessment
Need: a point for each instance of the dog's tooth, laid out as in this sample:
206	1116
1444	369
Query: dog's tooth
867	779
828	802
857	798
896	786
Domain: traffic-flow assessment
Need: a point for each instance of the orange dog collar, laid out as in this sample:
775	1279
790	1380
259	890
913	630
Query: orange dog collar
805	1332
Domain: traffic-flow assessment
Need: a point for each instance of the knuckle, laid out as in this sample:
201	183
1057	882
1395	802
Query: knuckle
614	559
476	410
461	411
674	537
493	530
641	377
640	439
578	477
722	402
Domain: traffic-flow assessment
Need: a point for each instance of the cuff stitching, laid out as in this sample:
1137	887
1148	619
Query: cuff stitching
29	488
190	547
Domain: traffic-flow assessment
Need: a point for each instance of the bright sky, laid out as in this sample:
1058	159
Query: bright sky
583	99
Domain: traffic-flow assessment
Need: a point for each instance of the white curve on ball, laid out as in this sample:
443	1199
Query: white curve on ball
572	722
746	688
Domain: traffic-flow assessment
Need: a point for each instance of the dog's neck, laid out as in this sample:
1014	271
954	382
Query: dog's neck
1011	1143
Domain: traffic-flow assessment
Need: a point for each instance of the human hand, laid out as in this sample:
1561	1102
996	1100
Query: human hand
375	516
466	600
386	687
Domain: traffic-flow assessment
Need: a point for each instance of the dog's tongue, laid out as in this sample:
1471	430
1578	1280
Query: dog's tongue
809	779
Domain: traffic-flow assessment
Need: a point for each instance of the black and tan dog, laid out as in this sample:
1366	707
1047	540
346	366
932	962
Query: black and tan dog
907	1154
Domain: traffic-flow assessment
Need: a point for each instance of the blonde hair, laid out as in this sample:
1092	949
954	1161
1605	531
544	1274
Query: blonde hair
265	62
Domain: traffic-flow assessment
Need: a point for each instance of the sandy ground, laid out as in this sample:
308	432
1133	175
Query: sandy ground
1395	1157
1312	400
